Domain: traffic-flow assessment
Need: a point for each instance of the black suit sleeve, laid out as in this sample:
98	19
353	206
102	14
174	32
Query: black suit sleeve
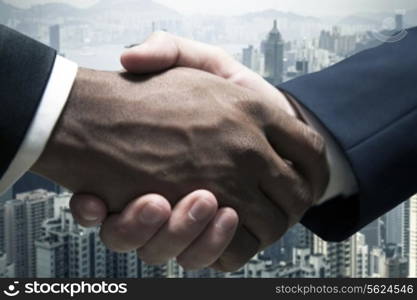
369	104
25	67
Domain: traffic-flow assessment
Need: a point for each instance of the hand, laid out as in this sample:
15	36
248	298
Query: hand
196	236
260	118
160	52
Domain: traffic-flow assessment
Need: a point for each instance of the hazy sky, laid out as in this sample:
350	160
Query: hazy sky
228	7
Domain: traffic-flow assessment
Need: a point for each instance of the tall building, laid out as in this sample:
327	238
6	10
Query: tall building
377	263
248	56
413	238
67	250
373	233
359	257
149	271
335	42
205	273
174	270
6	269
396	264
399	22
55	37
349	258
121	265
393	225
23	223
301	67
274	56
405	229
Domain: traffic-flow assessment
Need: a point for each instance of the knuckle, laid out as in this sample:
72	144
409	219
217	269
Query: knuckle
219	51
316	143
248	148
305	199
121	230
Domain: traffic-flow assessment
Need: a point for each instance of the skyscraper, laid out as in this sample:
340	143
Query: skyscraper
405	229
55	37
399	22
349	258
247	56
393	225
23	222
373	233
274	56
413	238
67	250
6	269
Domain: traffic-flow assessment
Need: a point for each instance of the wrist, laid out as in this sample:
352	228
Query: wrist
61	141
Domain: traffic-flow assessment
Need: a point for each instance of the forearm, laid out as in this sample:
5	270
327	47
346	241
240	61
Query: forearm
367	103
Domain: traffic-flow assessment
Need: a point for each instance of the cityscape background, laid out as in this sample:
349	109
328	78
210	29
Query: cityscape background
38	236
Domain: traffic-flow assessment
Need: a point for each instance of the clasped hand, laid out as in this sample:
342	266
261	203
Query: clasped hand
190	155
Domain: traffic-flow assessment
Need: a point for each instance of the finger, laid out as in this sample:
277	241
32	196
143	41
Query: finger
188	220
137	223
162	51
267	221
303	147
88	210
285	188
241	249
207	248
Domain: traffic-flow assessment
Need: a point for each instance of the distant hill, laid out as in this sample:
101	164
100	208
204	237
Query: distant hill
275	14
359	20
130	7
410	18
6	10
116	8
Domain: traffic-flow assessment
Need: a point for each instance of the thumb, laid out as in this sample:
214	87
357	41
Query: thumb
162	51
158	53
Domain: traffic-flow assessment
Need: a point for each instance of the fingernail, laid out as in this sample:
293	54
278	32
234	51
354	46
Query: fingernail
151	214
224	222
89	218
136	48
199	211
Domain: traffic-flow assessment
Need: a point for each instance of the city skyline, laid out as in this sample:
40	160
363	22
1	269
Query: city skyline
271	49
320	8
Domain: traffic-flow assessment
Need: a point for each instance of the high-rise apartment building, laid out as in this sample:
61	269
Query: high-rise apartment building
373	233
67	250
274	56
349	258
413	238
23	224
405	229
399	21
55	37
393	225
248	56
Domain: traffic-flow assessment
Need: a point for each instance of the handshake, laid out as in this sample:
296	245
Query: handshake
189	155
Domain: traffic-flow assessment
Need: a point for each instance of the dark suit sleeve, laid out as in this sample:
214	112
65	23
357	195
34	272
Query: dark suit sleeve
369	104
25	67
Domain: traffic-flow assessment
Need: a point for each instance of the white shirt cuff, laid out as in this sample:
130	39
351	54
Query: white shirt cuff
342	180
49	110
